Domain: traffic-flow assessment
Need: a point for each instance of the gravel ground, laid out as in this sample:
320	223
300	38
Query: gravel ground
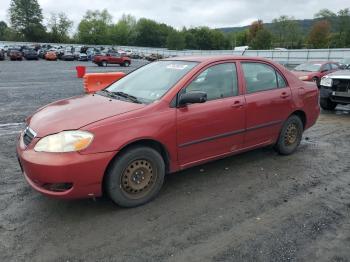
257	206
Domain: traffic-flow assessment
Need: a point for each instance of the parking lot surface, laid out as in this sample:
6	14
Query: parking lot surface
257	206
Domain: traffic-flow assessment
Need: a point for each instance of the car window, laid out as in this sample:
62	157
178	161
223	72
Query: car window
280	80
218	81
334	66
259	77
326	67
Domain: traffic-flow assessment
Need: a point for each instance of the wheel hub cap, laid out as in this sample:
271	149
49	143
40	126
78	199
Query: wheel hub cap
291	134
138	178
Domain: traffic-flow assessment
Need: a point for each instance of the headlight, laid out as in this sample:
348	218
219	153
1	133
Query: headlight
66	141
326	81
303	78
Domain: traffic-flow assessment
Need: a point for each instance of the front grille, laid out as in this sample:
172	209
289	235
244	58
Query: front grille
341	85
28	136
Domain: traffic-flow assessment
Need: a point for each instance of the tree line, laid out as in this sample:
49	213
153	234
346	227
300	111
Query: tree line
329	30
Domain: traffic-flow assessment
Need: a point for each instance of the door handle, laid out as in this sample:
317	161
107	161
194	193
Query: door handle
284	95
237	104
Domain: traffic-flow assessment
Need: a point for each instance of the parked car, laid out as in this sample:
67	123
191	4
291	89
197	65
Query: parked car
51	56
42	53
31	54
15	55
314	71
335	89
83	57
166	116
153	57
68	56
13	48
111	58
2	55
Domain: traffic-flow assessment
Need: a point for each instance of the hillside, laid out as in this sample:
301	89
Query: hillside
305	25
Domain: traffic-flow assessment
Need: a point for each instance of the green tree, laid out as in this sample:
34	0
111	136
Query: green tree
262	40
150	33
259	36
26	18
3	30
123	33
95	28
319	35
59	26
242	38
287	31
176	40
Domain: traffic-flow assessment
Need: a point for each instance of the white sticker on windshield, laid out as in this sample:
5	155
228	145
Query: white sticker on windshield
317	64
177	66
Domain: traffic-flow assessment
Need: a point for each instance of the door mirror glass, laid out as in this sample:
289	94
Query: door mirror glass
192	98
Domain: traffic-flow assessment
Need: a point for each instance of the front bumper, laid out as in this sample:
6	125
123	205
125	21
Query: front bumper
84	173
335	96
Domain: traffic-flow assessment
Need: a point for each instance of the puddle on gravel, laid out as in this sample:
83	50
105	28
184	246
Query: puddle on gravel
11	128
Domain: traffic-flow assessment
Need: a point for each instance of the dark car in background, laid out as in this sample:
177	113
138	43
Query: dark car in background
67	56
2	55
314	71
30	54
15	55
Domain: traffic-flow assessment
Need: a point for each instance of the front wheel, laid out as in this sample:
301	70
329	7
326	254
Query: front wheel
316	80
104	63
327	104
135	177
290	136
126	63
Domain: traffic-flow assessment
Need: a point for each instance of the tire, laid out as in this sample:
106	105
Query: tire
126	63
317	81
104	63
327	104
135	177
290	136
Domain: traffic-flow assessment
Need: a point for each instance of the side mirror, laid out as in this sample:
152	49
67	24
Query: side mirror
108	54
192	98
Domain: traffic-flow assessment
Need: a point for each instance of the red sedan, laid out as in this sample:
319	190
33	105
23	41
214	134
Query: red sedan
164	117
314	71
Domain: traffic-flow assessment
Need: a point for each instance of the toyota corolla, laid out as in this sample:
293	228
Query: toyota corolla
164	117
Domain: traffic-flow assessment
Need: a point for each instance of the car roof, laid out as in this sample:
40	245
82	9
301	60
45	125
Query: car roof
214	58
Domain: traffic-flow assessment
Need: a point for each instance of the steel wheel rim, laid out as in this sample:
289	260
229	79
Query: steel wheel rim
138	178
291	134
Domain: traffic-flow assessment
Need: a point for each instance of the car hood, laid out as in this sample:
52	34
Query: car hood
76	112
341	74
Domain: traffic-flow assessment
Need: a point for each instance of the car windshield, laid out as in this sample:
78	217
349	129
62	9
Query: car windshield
308	67
151	82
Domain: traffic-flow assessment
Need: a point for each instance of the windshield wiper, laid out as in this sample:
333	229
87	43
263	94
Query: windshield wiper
127	96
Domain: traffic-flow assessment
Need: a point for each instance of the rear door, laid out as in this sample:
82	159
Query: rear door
268	99
215	127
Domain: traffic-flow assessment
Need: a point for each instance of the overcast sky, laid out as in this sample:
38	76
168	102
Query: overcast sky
178	13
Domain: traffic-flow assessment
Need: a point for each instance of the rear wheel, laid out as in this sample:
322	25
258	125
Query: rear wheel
327	104
290	136
126	63
104	63
135	177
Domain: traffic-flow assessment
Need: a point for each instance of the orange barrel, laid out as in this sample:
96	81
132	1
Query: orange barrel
80	71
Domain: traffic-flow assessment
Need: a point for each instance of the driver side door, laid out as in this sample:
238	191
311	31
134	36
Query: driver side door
214	128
